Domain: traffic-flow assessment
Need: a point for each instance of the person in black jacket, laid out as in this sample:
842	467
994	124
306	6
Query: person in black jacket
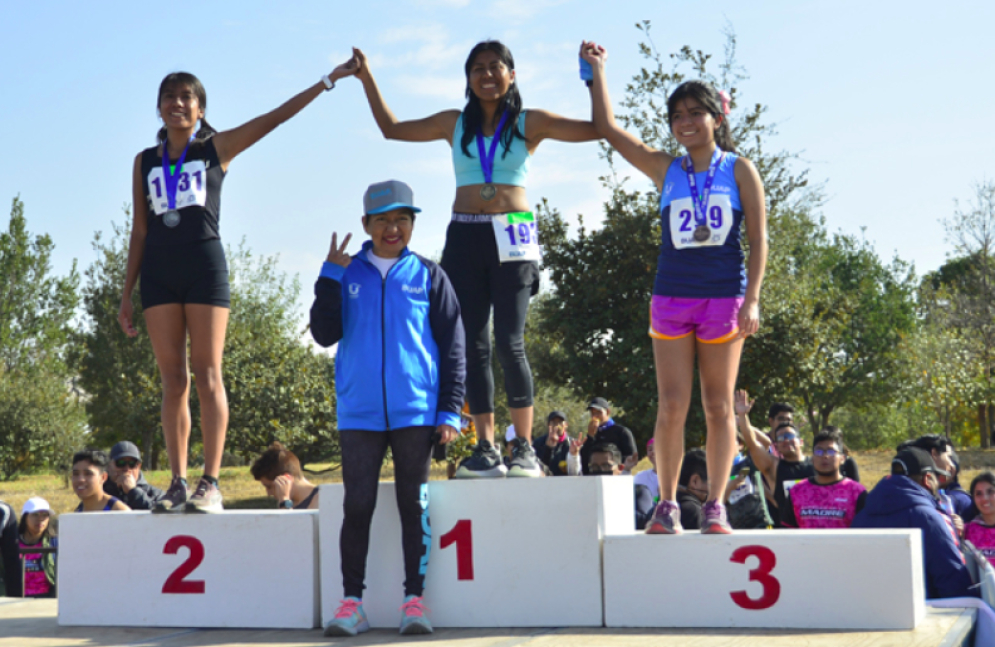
125	480
552	448
603	429
10	566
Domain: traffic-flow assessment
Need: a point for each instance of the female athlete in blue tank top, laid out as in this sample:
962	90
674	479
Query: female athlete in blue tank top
704	303
491	250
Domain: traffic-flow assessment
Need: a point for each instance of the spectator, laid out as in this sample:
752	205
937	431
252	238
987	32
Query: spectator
38	574
649	478
828	499
10	584
552	447
602	429
692	488
279	470
963	504
907	499
89	474
980	531
606	460
125	480
939	449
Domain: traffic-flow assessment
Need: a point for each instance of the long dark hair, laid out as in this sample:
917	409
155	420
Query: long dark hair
179	79
984	477
511	102
709	98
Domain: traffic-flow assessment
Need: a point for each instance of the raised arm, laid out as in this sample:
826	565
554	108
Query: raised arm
232	142
438	126
751	194
540	125
761	457
651	162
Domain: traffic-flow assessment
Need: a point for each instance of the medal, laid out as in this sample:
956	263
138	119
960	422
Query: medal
701	230
171	177
488	191
171	218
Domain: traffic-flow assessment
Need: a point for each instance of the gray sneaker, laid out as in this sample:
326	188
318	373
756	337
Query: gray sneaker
175	498
206	498
484	462
523	459
666	520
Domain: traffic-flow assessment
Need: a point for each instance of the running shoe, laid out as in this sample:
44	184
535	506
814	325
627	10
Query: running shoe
666	520
349	620
206	498
715	522
484	462
413	618
175	498
523	459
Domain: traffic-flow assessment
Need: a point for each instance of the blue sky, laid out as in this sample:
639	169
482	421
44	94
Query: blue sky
888	102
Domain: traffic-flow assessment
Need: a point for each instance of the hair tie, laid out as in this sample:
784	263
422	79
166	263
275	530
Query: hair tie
726	99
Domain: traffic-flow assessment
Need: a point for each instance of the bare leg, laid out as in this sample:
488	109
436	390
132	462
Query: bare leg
718	365
522	419
674	359
168	333
207	326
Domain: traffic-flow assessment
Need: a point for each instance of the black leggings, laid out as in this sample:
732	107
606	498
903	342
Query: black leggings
470	259
362	456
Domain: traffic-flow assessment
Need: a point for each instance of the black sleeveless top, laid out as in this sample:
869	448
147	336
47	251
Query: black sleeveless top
198	196
790	473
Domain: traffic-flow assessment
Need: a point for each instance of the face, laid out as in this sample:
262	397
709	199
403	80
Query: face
390	231
603	463
827	458
784	417
268	484
693	125
651	453
557	427
37	522
698	486
87	479
943	462
984	497
125	465
789	444
599	415
490	79
179	107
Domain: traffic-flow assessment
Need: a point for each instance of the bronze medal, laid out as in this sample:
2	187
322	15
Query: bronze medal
701	233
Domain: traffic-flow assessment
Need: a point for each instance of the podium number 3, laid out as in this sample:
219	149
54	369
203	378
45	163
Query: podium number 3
176	583
771	587
462	536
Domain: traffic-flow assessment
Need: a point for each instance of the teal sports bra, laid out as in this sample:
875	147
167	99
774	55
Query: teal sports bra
512	168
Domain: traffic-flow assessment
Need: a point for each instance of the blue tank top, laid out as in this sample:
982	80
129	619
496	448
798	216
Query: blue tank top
509	168
712	269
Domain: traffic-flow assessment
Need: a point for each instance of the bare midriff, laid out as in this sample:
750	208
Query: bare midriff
508	199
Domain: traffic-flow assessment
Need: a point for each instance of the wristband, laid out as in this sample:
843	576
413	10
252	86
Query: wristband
287	504
329	83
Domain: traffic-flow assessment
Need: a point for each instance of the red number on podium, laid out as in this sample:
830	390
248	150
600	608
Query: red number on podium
772	588
176	583
462	536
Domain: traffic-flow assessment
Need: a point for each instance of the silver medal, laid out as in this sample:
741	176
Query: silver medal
488	191
701	233
171	218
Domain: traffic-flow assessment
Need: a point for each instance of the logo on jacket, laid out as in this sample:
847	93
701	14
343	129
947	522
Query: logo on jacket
668	188
354	290
411	290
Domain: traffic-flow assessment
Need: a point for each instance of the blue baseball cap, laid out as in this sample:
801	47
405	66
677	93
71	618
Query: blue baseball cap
384	196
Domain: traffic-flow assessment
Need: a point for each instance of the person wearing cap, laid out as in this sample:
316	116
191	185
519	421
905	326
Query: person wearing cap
10	584
942	452
399	381
125	480
907	499
553	447
37	570
601	429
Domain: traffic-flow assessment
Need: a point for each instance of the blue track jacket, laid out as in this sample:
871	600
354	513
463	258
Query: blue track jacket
899	502
401	361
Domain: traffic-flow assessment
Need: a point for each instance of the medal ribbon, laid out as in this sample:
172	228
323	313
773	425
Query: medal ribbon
171	176
701	202
487	158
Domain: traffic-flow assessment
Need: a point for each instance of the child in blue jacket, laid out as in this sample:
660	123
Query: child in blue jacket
399	381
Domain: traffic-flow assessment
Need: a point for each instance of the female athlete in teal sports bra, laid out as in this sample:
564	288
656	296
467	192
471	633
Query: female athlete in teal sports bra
492	252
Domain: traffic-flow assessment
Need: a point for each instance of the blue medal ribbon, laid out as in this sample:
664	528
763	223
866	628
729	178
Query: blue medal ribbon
701	202
171	177
487	158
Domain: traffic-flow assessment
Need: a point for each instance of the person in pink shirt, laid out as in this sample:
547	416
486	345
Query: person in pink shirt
35	532
981	530
828	499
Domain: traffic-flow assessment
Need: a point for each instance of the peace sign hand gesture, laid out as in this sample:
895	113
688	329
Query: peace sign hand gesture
338	254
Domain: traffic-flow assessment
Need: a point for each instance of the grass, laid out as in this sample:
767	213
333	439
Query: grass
243	492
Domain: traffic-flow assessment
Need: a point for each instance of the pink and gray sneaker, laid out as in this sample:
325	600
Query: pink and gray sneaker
715	522
666	520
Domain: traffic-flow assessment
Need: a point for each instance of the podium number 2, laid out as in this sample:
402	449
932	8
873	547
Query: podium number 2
176	583
462	536
771	587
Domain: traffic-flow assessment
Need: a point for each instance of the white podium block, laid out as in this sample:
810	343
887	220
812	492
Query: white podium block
251	569
518	552
805	579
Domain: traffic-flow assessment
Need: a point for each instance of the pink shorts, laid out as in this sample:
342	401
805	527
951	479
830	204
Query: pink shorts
712	321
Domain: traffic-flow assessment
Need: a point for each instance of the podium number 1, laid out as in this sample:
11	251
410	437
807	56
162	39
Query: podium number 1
771	587
462	536
176	582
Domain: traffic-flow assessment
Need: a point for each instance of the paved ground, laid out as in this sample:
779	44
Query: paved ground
32	623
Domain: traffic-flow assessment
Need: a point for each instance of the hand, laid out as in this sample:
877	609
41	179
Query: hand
630	462
126	481
349	68
575	445
958	524
593	53
447	433
743	404
362	66
124	317
551	441
281	487
338	254
749	319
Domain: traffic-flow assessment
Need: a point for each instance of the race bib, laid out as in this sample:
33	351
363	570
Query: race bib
191	187
719	220
517	237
